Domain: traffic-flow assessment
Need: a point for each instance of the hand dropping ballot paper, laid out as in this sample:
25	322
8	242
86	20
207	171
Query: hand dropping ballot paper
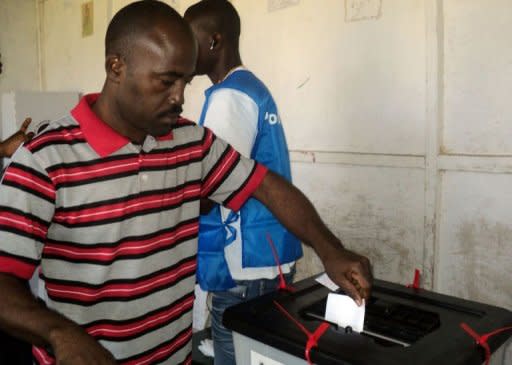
342	309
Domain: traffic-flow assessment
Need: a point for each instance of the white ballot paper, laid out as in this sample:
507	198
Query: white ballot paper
326	281
342	310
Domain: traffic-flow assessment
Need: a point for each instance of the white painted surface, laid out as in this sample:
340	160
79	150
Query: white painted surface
40	106
375	210
356	10
274	5
342	86
476	251
18	46
70	61
478	77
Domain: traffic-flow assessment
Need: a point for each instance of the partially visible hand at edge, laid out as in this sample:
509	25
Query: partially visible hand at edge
12	143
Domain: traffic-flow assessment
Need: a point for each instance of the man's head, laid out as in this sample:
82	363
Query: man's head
150	56
216	26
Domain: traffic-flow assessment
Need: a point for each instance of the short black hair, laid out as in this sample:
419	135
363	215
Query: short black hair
134	20
219	16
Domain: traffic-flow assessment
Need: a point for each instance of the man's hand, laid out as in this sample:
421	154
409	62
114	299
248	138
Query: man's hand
10	145
22	316
351	272
73	346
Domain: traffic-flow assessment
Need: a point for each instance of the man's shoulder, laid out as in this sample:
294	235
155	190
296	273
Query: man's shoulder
184	122
245	77
64	130
51	144
244	81
185	130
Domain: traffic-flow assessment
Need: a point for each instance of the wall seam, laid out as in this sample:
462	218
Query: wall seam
433	135
40	47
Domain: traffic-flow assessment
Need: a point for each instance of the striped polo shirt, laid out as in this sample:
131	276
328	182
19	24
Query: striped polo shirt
114	225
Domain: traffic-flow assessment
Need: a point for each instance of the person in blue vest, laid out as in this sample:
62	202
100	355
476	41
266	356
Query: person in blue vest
235	259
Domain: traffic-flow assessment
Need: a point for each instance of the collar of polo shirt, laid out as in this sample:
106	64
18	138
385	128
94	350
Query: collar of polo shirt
100	136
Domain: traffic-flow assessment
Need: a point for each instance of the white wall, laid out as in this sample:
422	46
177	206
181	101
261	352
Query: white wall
397	115
70	61
478	77
343	82
18	46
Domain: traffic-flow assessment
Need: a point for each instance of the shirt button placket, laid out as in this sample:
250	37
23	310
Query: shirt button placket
143	176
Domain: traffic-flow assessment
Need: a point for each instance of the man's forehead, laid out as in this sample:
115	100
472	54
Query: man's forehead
161	39
165	55
168	33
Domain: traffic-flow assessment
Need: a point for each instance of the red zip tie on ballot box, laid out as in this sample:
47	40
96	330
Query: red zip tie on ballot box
481	340
313	337
282	283
416	283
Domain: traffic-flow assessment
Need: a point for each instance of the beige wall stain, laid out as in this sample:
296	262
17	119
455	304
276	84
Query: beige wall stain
482	262
358	10
383	241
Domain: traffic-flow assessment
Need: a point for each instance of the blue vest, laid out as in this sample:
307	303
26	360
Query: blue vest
257	222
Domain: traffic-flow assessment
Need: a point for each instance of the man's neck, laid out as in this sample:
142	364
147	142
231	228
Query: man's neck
107	112
224	66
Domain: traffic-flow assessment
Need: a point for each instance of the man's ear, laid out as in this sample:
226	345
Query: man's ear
114	65
216	41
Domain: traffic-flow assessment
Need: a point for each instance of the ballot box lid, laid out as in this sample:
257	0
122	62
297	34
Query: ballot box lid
402	326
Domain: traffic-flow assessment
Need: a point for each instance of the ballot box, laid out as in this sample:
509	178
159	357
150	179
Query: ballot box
402	326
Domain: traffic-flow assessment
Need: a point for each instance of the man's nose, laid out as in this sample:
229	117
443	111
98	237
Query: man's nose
177	94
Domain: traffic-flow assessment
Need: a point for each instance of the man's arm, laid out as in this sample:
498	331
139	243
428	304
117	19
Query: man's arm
233	116
352	272
22	316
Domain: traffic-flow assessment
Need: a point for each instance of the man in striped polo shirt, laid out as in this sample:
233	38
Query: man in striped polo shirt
106	201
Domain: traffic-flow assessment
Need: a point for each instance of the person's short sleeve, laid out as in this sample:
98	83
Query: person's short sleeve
228	177
233	116
27	204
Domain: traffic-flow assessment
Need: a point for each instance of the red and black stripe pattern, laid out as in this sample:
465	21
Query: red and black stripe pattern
115	229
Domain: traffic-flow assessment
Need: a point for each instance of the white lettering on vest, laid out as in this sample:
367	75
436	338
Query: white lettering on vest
271	118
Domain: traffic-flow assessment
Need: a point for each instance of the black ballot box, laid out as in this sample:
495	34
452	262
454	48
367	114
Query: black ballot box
402	326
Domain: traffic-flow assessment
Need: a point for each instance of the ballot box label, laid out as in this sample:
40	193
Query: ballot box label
259	359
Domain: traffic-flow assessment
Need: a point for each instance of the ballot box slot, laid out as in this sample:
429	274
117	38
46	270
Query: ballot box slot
384	340
378	338
388	323
418	298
